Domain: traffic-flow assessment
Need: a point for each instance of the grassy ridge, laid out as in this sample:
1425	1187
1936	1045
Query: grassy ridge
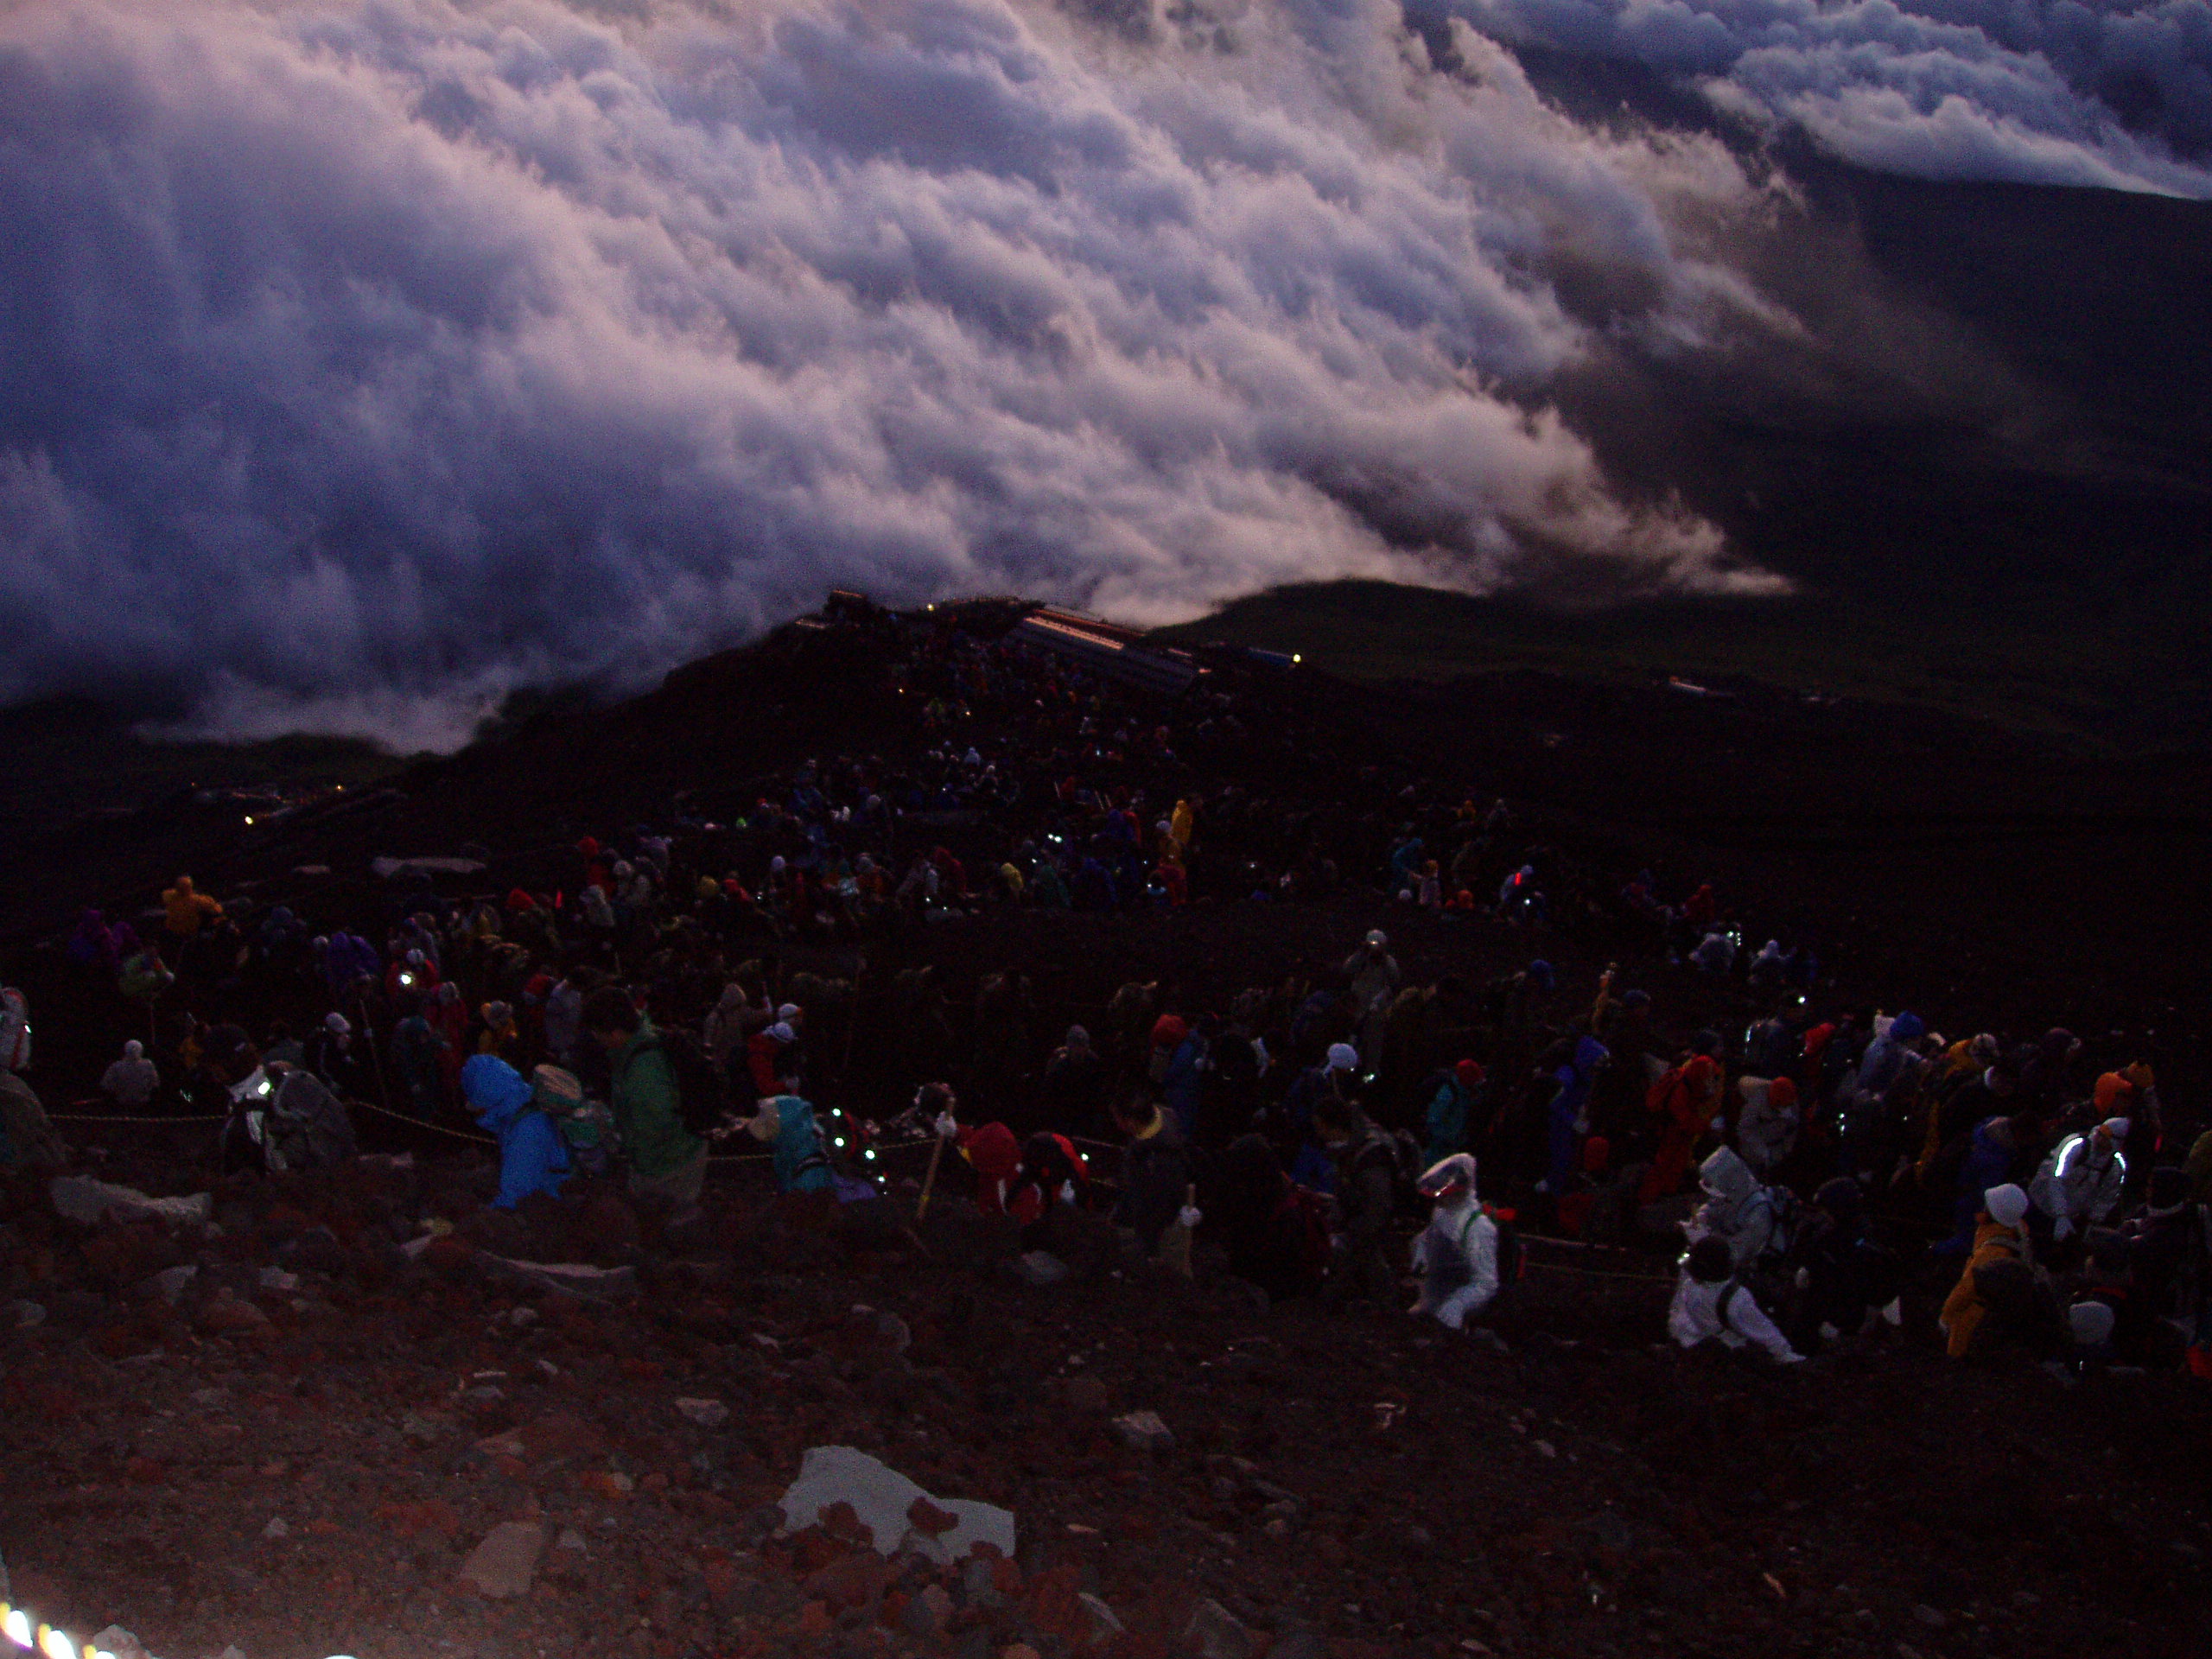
2083	685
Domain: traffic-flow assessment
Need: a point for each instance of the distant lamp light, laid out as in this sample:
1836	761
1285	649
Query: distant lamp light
15	1623
1297	657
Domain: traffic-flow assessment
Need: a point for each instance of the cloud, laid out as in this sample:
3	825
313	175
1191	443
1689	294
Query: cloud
369	354
2042	91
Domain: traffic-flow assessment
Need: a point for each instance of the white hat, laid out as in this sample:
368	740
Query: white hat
1376	936
336	1023
788	1012
782	1032
2007	1204
1342	1056
2115	1127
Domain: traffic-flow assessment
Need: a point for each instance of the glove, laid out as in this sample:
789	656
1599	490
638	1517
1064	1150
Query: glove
1067	1192
945	1127
1189	1215
2063	1228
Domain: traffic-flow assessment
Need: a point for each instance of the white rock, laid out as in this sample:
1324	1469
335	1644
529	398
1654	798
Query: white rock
1142	1431
594	1284
707	1414
504	1564
277	1529
81	1198
881	1497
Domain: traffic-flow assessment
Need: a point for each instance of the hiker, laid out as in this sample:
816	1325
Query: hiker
1456	1254
1991	1148
1568	1117
1685	1100
1766	1123
417	1052
785	1123
1737	1210
1712	1306
1451	1107
995	1156
1155	1169
1075	1082
666	1160
278	1119
185	910
1373	975
533	1156
2079	1185
334	1055
1366	1166
1178	1063
586	1126
132	1081
1843	1273
1996	1292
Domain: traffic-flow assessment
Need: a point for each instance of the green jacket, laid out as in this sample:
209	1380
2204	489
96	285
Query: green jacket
646	1109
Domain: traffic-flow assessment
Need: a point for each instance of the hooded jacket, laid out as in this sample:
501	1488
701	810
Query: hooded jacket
996	1156
1570	1108
1736	1208
533	1158
1455	1256
1766	1128
801	1160
1994	1244
647	1108
2081	1179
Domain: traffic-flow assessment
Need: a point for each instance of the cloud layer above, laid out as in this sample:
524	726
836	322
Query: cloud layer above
361	360
364	360
2100	92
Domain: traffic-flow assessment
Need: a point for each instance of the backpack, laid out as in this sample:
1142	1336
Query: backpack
1512	1254
1787	1213
701	1091
1512	1259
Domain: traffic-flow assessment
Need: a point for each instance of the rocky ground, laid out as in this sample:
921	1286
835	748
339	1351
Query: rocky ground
303	1447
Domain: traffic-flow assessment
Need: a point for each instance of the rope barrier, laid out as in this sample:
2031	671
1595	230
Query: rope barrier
79	1117
423	1123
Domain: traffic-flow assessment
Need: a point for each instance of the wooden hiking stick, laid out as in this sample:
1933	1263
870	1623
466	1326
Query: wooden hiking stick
929	1180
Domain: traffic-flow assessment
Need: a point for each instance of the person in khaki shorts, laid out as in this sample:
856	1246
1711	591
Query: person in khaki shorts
666	1160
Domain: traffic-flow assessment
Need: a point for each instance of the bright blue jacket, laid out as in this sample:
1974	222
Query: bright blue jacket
802	1161
1185	1082
532	1156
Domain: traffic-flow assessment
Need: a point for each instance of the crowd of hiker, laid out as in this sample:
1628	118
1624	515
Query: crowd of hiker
630	1012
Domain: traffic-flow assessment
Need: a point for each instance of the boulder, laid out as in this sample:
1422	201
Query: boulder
81	1198
884	1502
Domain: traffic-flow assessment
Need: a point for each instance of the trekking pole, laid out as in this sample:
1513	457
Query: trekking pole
929	1180
369	1042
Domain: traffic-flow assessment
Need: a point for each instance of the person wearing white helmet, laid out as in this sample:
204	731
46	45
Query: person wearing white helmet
131	1081
1456	1254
